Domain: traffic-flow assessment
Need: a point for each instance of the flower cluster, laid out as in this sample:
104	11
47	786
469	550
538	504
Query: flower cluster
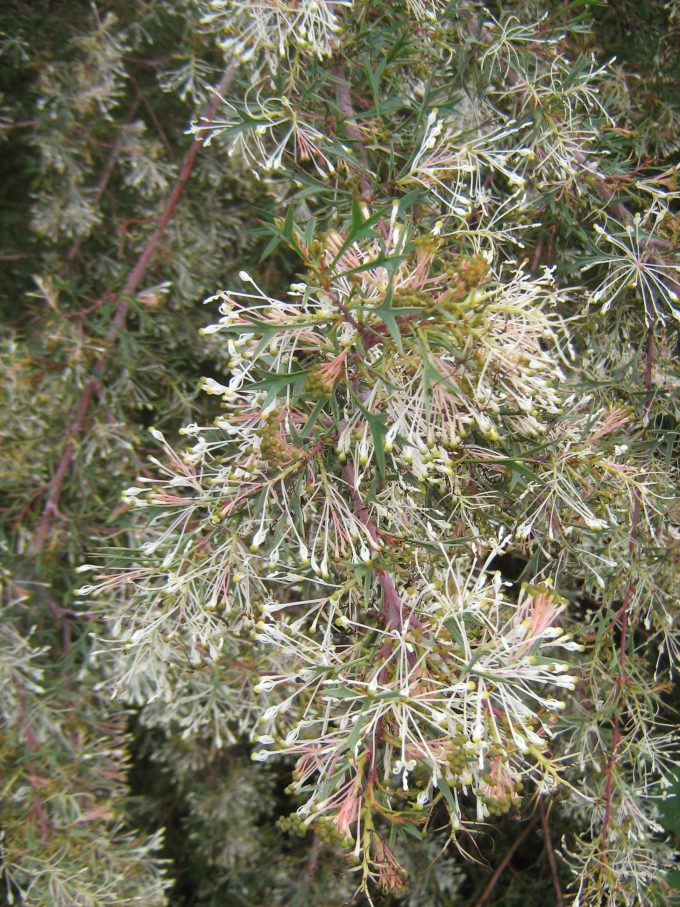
273	26
339	524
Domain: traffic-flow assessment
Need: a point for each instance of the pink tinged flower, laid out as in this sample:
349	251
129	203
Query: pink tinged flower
538	613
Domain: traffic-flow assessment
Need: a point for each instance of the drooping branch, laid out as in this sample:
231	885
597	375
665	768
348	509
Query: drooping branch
122	305
391	615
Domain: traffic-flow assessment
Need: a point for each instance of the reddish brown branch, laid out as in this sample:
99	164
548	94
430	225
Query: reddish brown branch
621	679
21	124
536	257
503	865
392	611
31	775
649	363
123	300
616	207
105	175
391	614
346	108
622	615
309	871
154	119
552	861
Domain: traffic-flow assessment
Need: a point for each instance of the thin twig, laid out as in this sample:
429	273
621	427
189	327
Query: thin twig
154	119
346	108
392	614
503	865
648	373
31	775
307	875
123	301
21	124
621	679
649	361
105	175
623	616
536	257
552	861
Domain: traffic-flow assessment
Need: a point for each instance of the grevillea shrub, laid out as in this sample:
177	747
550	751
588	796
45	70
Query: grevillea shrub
417	551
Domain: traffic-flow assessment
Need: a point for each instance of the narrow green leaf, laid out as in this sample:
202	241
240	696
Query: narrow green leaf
443	786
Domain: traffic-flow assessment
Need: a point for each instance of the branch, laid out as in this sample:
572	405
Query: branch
503	865
21	124
346	107
306	877
621	678
391	615
616	207
152	116
123	301
392	611
105	175
23	723
649	365
559	899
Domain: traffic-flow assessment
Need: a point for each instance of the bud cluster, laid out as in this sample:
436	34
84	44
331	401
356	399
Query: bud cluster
275	450
320	383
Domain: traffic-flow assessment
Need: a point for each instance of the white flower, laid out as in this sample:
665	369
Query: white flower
635	263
